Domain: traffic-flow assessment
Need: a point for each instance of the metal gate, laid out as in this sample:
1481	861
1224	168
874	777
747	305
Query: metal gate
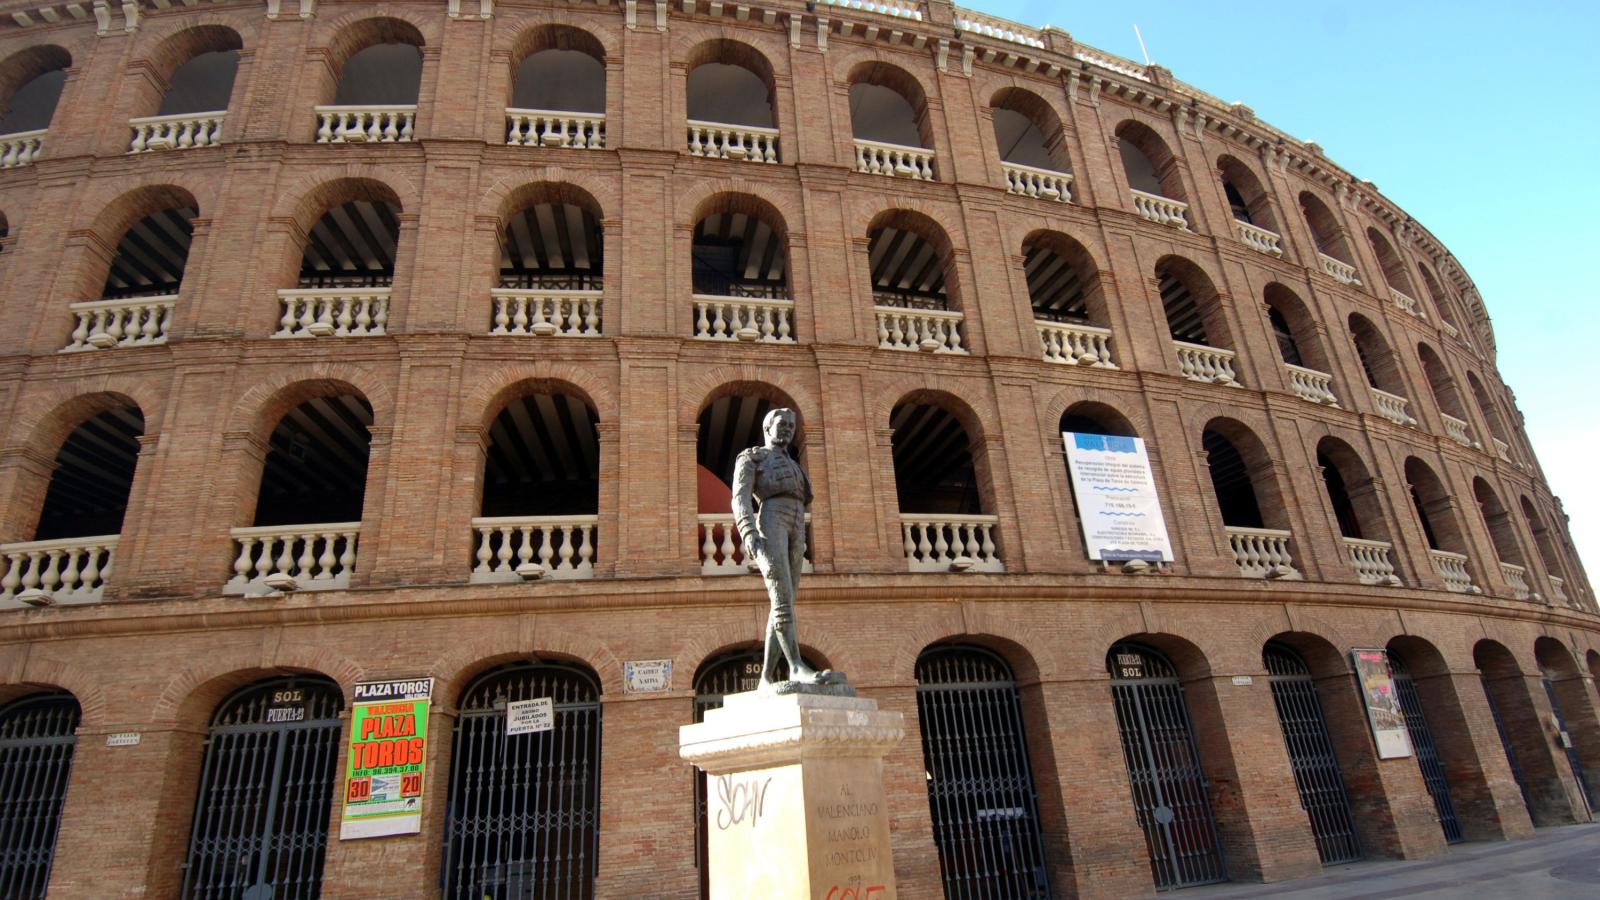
1505	743
980	786
1571	748
1170	797
1427	751
1316	768
266	786
523	816
36	743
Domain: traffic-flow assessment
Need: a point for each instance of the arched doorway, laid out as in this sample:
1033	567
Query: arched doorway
1426	748
1316	768
37	737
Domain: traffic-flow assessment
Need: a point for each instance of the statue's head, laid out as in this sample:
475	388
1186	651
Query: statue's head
779	427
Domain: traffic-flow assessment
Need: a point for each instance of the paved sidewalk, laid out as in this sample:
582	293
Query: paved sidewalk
1555	864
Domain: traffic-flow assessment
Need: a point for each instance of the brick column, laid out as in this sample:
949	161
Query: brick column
647	814
1524	711
905	783
1576	697
1485	796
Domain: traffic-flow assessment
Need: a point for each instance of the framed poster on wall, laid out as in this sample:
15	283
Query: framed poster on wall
1384	715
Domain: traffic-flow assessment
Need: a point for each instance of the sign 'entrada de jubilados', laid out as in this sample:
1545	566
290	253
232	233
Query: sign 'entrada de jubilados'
388	749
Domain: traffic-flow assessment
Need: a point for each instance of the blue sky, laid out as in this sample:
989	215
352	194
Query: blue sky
1480	119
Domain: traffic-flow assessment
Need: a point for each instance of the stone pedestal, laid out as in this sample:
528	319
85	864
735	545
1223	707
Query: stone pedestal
795	806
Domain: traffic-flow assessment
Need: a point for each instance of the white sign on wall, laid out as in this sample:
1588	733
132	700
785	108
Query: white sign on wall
646	676
529	716
1117	503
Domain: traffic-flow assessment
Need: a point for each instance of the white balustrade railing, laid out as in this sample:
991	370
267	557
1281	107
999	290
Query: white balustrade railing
550	128
998	28
315	557
744	319
950	543
1309	384
720	549
1075	345
1111	63
545	313
1268	242
1447	328
1370	560
179	132
1457	430
103	324
1502	449
1516	578
720	141
1406	303
20	148
525	548
1208	364
1262	552
1341	271
1395	409
877	158
1161	210
1558	589
1041	183
366	124
924	330
333	312
1452	567
44	573
900	10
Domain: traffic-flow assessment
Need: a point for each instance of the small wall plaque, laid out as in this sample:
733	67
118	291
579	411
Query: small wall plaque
124	739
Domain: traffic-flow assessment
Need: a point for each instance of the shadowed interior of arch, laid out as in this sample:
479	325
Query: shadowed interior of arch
563	71
933	470
739	254
203	84
316	465
88	493
352	245
543	458
908	271
32	106
552	245
151	255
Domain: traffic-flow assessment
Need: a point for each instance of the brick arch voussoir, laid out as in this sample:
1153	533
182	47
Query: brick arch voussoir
919	66
1453	638
253	408
480	406
117	203
1518	638
189	696
785	201
701	386
512	25
430	27
869	206
156	38
294	199
1197	417
604	191
85	686
773	45
457	666
1129	406
707	644
947	625
981	409
596	654
46	419
988	82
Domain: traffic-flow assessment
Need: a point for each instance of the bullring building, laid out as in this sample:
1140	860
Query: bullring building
360	347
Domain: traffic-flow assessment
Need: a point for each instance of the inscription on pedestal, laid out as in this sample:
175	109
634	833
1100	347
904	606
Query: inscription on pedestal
849	842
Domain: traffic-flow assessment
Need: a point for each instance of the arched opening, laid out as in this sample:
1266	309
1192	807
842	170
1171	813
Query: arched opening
1422	688
1249	202
1149	164
1394	268
888	106
730	83
551	848
151	257
1193	311
541	490
552	242
30	87
1446	396
377	76
1317	775
93	476
558	68
1491	414
1551	797
1171	797
347	264
1329	234
911	268
986	828
1093	420
1068	300
1577	729
1545	541
37	740
1295	332
1249	500
740	250
1381	367
1502	530
736	671
1028	133
1231	478
1436	293
1353	498
944	507
193	81
730	423
1441	525
266	787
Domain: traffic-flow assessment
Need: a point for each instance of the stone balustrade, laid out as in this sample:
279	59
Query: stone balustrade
550	128
296	557
1516	578
1207	364
1260	239
875	158
1110	63
104	324
544	313
1311	385
899	10
44	573
1341	271
1457	431
333	312
1452	567
1449	329
1501	449
1370	560
1558	589
179	132
1162	210
1395	409
1040	183
20	148
1075	345
950	543
923	330
743	319
1000	29
1262	553
527	548
737	142
366	124
720	551
1408	304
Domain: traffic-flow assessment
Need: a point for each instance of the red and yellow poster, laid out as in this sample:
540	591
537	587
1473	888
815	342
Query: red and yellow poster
388	749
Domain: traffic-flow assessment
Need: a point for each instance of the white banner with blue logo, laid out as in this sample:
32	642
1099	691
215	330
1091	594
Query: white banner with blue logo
1117	502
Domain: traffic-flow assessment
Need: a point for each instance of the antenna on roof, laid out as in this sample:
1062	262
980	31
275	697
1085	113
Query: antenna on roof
1141	44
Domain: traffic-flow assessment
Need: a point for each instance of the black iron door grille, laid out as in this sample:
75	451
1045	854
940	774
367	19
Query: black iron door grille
266	789
523	817
1505	743
1170	797
1571	748
1311	756
980	786
36	744
1427	751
